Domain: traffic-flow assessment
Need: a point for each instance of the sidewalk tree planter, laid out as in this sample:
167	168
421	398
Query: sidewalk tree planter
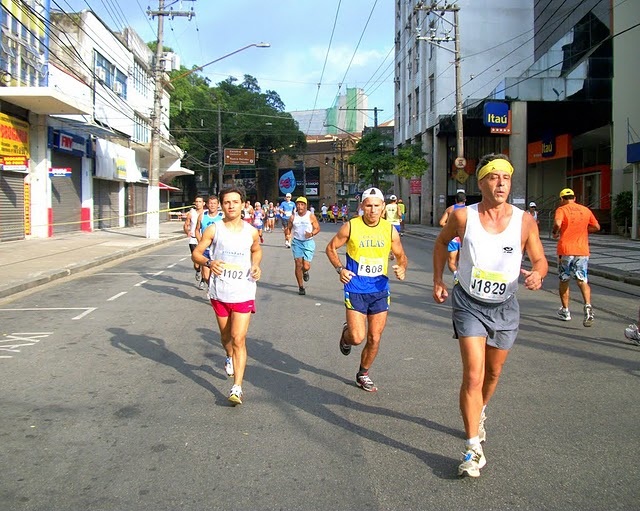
622	210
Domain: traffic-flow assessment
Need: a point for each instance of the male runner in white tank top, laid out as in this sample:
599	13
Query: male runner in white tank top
485	309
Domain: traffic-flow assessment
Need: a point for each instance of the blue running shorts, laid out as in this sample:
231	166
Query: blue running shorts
368	303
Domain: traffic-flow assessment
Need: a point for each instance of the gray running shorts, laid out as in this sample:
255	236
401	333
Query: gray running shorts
498	322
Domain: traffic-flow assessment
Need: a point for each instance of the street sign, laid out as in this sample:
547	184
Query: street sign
239	156
460	162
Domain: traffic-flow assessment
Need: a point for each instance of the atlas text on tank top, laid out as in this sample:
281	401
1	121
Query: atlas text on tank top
490	263
368	249
301	224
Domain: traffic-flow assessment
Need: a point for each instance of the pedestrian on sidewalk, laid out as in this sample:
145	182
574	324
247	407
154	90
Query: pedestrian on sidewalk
485	309
301	229
571	227
533	211
190	230
235	264
369	239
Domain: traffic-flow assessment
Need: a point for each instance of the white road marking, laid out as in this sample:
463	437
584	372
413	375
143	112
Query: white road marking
27	338
140	283
115	297
88	311
172	265
157	273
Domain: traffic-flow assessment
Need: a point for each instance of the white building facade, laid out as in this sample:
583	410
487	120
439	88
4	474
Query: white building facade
75	107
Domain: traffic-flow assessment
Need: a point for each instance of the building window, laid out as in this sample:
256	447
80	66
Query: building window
432	92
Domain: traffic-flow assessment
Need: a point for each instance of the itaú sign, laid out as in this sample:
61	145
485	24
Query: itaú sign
496	115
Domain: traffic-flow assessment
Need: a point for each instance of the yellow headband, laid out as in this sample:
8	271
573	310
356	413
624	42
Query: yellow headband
499	165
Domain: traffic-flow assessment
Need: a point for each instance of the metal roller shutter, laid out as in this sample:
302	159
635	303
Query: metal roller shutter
140	203
11	206
66	193
105	203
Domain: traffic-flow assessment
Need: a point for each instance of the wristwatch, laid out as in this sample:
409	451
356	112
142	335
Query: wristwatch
339	269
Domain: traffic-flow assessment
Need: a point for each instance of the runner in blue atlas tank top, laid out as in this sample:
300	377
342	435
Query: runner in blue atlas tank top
369	239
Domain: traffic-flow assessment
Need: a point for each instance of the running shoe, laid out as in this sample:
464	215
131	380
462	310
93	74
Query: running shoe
287	244
588	315
235	396
301	291
201	285
198	276
482	432
305	275
228	366
345	349
631	333
364	382
472	461
563	314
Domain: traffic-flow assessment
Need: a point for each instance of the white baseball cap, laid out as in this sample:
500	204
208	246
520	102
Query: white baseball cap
288	195
393	197
372	192
532	205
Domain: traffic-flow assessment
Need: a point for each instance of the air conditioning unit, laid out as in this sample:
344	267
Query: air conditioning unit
101	73
118	88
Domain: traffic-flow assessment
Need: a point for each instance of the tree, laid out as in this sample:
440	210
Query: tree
410	162
373	157
249	118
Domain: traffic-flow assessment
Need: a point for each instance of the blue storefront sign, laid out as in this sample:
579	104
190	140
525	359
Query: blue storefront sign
67	142
496	115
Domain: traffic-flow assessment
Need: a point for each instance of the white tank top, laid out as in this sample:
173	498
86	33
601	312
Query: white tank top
235	285
301	224
489	264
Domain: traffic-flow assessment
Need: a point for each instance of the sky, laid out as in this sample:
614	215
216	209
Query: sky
334	43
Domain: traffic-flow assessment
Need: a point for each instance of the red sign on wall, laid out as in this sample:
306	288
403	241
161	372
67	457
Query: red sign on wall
415	186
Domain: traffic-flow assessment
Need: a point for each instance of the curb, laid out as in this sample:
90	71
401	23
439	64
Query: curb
83	266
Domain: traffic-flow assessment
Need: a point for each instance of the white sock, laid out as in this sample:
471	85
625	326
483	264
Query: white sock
483	410
473	442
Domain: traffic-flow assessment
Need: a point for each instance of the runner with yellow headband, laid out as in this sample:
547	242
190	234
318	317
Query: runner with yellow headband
485	310
497	165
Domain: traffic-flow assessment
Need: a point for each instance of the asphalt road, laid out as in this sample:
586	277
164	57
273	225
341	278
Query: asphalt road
113	397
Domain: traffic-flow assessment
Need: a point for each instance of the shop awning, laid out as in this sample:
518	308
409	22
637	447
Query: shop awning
170	173
164	186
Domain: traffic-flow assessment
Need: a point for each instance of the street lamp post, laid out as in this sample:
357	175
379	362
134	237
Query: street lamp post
153	195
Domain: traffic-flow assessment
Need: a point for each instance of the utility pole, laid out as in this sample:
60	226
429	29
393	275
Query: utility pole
220	153
153	193
437	10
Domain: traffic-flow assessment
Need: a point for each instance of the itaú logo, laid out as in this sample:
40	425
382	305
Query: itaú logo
495	115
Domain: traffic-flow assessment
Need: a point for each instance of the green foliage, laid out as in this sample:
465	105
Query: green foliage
373	157
376	161
623	208
410	162
249	118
